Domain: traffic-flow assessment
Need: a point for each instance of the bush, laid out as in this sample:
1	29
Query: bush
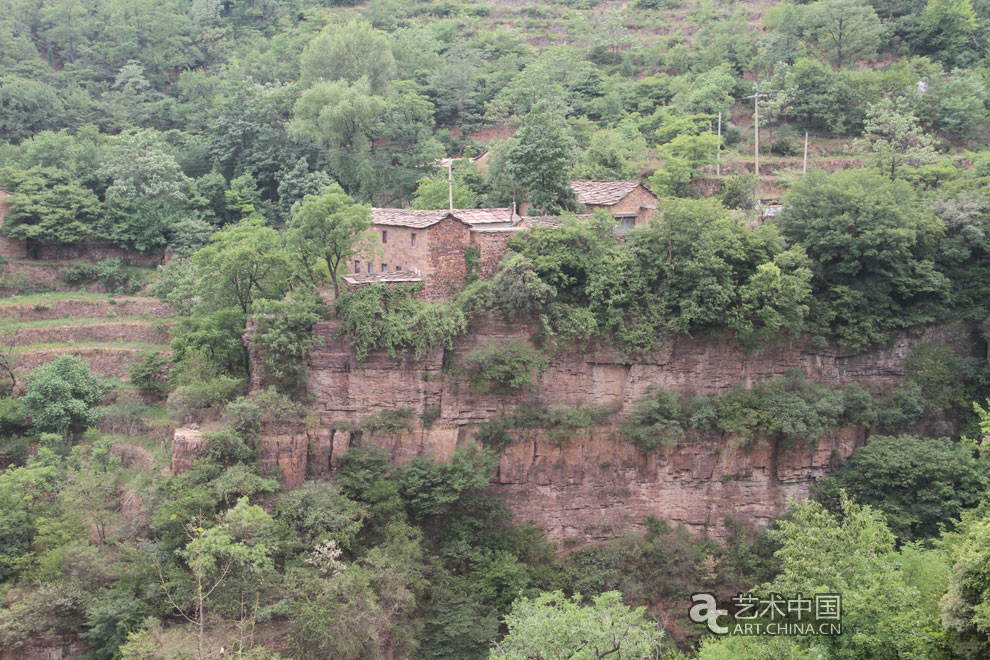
503	367
110	274
79	274
60	396
388	421
247	414
203	394
920	484
656	419
149	372
785	146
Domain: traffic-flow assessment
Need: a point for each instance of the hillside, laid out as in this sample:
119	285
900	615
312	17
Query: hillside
698	311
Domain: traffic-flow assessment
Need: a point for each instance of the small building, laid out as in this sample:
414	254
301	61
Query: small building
433	243
630	202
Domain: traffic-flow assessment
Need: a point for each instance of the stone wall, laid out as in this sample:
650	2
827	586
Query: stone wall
397	251
49	646
593	485
446	269
93	251
85	308
10	248
492	246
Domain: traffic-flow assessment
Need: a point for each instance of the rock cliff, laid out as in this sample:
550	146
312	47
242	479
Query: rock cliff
594	485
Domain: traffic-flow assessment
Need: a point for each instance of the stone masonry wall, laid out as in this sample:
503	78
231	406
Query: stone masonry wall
398	250
448	240
10	248
492	246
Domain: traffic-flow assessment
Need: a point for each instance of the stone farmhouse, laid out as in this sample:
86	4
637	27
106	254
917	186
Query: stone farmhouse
630	202
430	246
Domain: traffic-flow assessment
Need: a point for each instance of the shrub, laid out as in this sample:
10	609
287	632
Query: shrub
785	146
656	419
79	273
398	420
149	372
110	274
203	394
60	396
504	367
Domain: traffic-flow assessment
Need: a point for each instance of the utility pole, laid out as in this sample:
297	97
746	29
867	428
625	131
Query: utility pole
450	183
718	152
804	170
756	126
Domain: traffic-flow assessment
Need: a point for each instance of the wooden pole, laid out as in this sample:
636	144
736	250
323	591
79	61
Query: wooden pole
450	184
804	170
756	123
718	153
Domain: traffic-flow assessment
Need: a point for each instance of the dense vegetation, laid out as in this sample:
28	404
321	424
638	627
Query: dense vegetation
248	140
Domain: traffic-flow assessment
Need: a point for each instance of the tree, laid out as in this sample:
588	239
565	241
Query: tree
241	264
49	206
240	543
432	192
60	396
327	230
349	52
894	137
611	154
296	184
552	626
845	29
342	117
919	484
539	159
28	106
949	29
867	242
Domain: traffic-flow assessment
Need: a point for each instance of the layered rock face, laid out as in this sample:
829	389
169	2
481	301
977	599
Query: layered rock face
593	485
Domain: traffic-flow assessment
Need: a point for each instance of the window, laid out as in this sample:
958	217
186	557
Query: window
413	237
371	268
398	268
384	268
384	236
357	266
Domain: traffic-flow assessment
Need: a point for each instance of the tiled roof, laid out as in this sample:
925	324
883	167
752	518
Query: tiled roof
603	193
547	220
407	217
423	219
486	216
411	275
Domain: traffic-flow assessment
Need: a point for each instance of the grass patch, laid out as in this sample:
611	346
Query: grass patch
109	347
69	320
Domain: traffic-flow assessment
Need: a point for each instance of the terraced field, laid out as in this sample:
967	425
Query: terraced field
106	331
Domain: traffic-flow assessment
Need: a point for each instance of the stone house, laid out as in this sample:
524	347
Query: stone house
630	202
433	244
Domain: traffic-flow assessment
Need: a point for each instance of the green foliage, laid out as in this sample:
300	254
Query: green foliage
398	420
283	332
381	317
503	367
877	273
49	205
149	372
60	396
920	484
431	488
656	419
561	422
542	625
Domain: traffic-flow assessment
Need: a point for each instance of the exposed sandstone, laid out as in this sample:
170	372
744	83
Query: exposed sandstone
594	485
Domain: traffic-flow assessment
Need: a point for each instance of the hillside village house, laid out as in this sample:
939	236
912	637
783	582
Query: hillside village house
430	246
629	202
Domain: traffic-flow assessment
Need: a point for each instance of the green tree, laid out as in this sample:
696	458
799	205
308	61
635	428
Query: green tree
868	244
241	264
28	106
894	138
539	159
326	231
555	627
919	484
49	206
349	52
343	118
60	396
948	29
844	29
432	192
